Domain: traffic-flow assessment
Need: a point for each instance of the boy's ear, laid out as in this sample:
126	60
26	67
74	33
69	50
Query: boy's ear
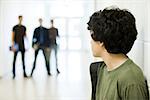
101	44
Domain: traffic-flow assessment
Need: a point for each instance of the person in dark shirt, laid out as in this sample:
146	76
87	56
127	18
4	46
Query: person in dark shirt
18	34
53	34
40	41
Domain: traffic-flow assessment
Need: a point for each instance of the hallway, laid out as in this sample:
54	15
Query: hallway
73	82
74	55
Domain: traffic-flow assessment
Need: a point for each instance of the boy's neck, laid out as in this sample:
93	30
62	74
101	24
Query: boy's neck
113	61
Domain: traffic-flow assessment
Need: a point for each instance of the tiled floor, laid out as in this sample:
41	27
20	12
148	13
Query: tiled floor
73	83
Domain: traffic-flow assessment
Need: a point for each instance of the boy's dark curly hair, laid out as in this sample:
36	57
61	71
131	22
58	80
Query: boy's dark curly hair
115	28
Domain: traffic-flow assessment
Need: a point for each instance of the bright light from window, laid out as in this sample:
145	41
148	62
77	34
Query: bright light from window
67	9
74	27
62	43
74	43
60	24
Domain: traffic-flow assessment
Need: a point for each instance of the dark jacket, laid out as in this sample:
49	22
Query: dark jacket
37	36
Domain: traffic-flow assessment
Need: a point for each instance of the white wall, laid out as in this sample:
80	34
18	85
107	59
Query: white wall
139	8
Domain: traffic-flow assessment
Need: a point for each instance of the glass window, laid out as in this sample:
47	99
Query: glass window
60	23
74	43
74	27
67	8
62	43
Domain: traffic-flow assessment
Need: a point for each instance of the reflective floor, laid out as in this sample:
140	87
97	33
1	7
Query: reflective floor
73	82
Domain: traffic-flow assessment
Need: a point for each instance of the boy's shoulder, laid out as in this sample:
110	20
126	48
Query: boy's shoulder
131	74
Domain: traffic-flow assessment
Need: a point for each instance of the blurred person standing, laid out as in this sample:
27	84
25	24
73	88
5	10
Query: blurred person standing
18	35
40	41
53	34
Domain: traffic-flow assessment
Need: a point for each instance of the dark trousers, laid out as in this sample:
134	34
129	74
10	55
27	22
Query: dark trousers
23	62
46	53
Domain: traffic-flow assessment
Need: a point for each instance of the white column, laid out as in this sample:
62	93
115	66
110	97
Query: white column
1	66
147	42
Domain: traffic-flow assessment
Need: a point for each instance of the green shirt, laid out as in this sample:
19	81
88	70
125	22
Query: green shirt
126	82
